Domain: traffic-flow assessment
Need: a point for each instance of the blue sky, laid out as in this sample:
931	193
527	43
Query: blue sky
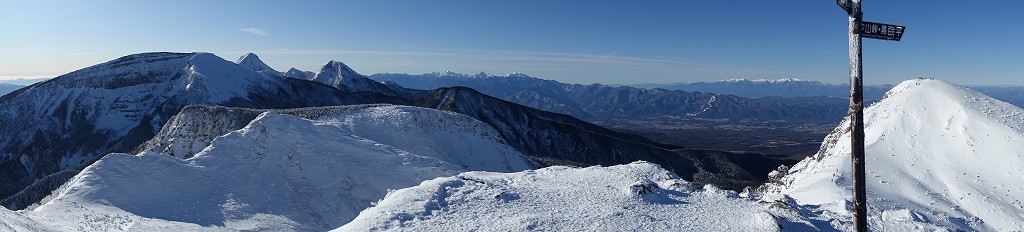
967	42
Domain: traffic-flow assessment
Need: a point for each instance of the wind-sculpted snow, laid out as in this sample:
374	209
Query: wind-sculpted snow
634	197
279	172
938	155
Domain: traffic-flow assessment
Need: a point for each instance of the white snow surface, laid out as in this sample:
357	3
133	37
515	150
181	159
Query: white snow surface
938	156
639	196
278	173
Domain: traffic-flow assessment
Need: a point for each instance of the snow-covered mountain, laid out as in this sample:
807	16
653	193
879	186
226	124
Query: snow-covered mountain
299	74
937	155
300	169
339	75
634	197
253	62
68	121
597	101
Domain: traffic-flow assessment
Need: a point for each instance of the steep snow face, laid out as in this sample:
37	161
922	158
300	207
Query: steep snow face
278	173
639	196
936	153
253	62
339	75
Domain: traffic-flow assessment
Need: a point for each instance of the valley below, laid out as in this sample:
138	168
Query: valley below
784	141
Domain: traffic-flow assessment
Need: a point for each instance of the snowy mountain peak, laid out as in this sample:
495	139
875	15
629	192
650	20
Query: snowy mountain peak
334	72
299	74
253	62
943	154
338	65
341	76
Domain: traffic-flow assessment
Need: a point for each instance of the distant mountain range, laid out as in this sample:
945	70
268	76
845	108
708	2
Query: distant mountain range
7	88
790	87
558	139
59	127
23	81
793	87
597	101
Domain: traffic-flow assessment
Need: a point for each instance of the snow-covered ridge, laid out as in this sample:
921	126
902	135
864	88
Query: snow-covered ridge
937	154
279	172
639	196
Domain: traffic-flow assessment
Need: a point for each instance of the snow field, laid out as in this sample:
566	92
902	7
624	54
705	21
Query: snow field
635	197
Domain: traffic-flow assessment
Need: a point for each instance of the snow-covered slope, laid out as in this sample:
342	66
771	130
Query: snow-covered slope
280	172
253	62
639	196
937	154
339	75
68	121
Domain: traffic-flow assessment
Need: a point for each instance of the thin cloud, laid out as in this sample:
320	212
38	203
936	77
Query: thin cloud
256	31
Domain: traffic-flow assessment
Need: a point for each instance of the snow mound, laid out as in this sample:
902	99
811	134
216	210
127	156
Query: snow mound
639	196
937	154
279	172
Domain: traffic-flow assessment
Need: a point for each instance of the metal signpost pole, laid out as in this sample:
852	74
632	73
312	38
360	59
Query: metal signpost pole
859	29
860	203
